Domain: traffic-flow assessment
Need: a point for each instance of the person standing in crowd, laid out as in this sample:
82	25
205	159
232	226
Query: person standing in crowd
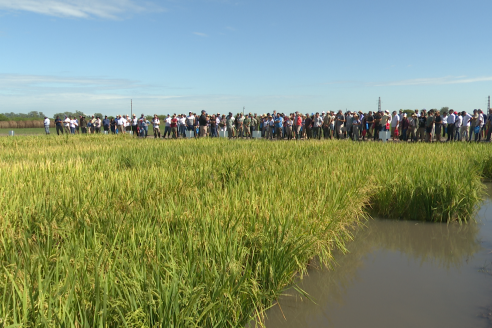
254	124
445	124
247	126
83	124
278	126
66	124
240	125
288	127
230	126
120	124
349	119
58	125
395	121
318	123
155	125
105	124
134	125
429	125
465	125
450	120
46	124
182	125
174	127
326	126
271	127
308	122
142	121
73	124
339	121
298	125
438	126
190	121
404	126
377	124
167	127
458	122
356	127
479	126
112	125
203	123
97	124
421	130
369	125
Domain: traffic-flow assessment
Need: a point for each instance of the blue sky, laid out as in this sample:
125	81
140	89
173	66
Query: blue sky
219	55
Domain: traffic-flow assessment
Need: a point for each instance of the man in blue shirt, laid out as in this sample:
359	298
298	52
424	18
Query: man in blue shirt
105	123
278	126
59	126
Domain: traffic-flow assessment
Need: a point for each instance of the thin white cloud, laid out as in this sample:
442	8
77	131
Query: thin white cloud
111	9
230	28
201	34
435	81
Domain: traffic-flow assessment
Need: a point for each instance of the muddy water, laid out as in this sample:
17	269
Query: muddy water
400	274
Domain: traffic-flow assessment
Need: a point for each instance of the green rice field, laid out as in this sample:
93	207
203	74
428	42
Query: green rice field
110	231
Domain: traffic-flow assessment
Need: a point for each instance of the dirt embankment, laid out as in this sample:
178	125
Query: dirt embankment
24	124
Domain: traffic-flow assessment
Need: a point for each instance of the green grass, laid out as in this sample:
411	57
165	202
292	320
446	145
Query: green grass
25	131
110	231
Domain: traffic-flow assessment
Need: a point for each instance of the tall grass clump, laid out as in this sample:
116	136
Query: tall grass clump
108	231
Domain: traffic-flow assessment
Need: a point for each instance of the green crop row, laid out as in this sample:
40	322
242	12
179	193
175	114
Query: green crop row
118	232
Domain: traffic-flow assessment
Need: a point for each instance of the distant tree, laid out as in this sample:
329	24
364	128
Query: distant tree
3	117
444	110
99	114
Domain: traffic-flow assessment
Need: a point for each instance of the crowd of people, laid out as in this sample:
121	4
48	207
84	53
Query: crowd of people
424	126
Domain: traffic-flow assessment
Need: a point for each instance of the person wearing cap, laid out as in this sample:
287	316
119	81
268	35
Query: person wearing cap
270	128
279	123
73	124
58	125
134	123
203	124
438	126
121	124
339	122
46	124
326	125
457	127
349	119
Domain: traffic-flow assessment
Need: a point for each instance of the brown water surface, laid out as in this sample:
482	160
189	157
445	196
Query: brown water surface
400	274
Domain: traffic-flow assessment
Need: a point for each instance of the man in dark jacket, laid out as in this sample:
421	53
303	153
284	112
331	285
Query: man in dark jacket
203	122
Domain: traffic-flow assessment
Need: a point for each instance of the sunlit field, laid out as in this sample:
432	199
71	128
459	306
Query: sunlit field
114	231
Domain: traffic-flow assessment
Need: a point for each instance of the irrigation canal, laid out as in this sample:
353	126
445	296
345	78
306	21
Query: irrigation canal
400	274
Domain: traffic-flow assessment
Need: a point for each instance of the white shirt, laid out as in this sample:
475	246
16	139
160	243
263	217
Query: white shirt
168	121
395	120
73	123
127	121
445	120
134	121
67	122
190	120
156	122
466	120
47	122
458	121
451	119
121	121
182	121
480	118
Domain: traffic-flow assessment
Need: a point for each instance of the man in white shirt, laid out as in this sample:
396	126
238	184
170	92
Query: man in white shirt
190	121
155	125
66	124
134	125
46	125
121	124
395	121
167	128
182	125
465	125
73	124
451	120
97	124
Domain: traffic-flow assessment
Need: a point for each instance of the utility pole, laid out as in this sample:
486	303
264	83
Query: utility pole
379	104
243	110
488	105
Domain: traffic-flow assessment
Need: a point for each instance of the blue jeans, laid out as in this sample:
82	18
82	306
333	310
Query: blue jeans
47	129
72	130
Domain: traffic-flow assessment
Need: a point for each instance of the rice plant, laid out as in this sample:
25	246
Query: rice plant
109	231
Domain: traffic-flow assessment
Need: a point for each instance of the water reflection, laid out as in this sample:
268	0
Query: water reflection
397	273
